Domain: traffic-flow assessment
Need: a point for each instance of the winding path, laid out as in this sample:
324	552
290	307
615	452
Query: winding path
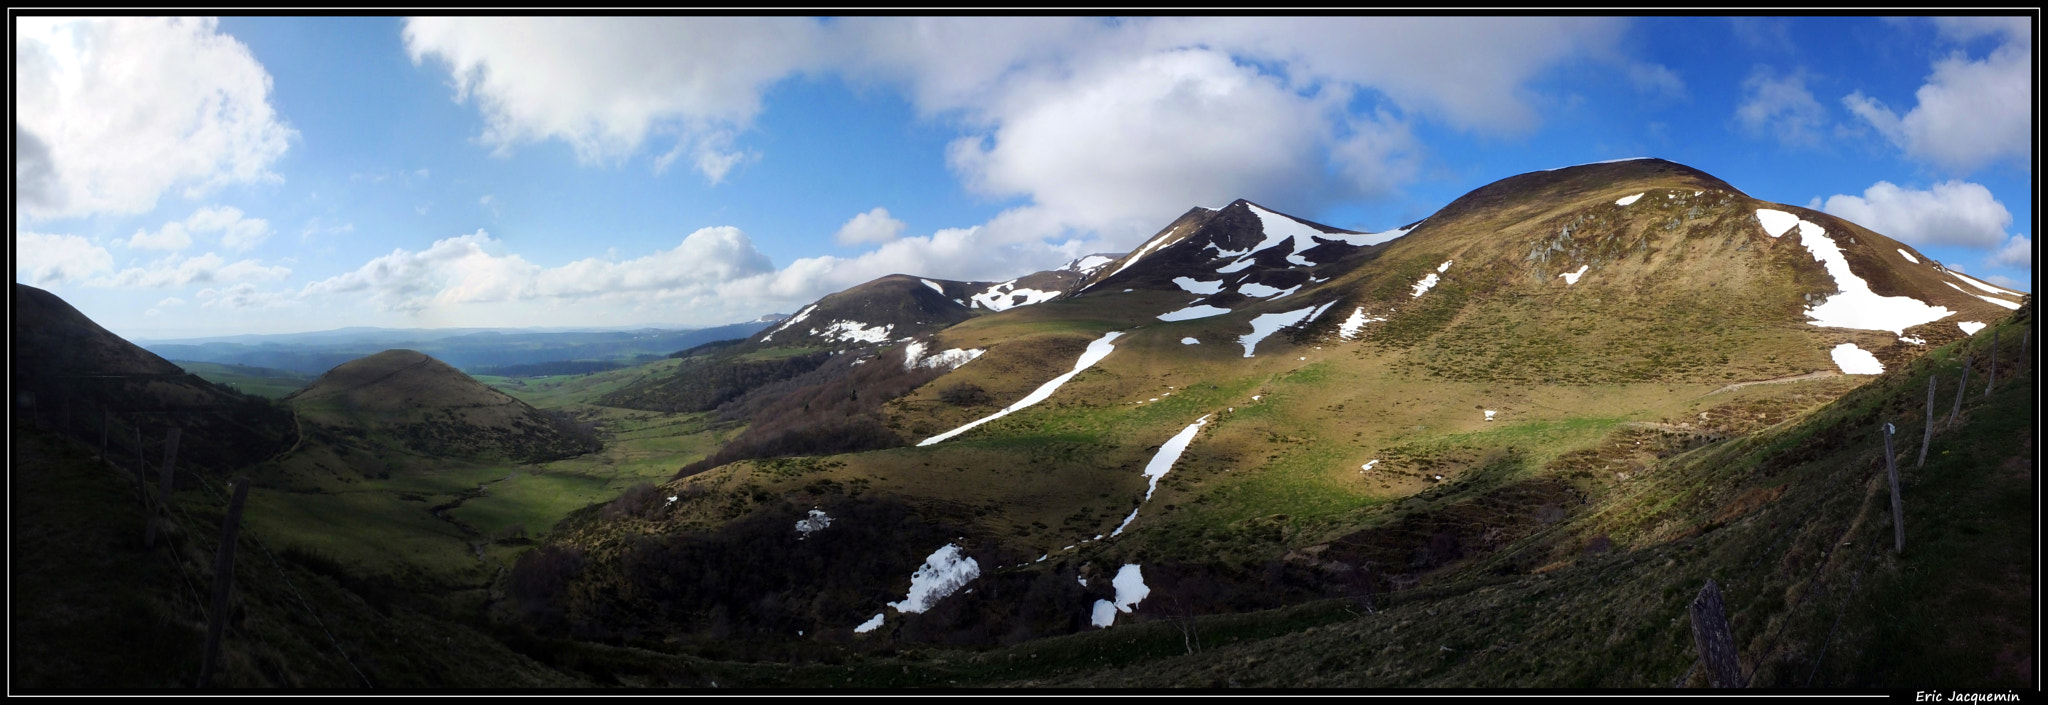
1822	374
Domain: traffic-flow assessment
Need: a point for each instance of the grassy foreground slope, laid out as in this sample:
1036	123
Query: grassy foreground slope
1788	513
1793	521
94	609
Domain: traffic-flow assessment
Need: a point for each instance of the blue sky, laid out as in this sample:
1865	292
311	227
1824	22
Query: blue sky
198	176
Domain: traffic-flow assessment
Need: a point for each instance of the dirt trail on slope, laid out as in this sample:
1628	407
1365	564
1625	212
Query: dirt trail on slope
1794	378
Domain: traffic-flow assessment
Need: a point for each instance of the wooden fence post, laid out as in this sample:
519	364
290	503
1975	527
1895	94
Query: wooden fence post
1927	438
1715	640
223	580
1992	378
163	497
142	477
2024	337
1891	466
1961	389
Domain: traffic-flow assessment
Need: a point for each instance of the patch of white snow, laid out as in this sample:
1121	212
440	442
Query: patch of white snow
817	520
942	573
1970	327
1235	267
848	331
1856	361
1857	306
1190	341
1982	285
1127	522
950	359
1090	263
1193	312
1279	228
1257	290
869	625
1908	255
1162	461
1776	222
1097	350
1349	329
1489	415
1271	323
2001	302
1190	285
1130	587
935	286
1627	200
1425	284
1571	278
1104	613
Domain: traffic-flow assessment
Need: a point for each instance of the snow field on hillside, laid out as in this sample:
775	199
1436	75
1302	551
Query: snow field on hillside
1571	278
1001	297
1776	222
1097	350
1268	324
852	331
951	359
1857	306
1982	285
1856	361
943	572
1193	312
1351	325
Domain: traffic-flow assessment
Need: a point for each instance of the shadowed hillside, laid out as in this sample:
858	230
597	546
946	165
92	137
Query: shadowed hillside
415	402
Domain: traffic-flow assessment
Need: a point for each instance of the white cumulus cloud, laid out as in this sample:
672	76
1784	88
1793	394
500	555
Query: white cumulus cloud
872	226
1782	107
452	270
704	258
113	112
50	260
1106	127
1950	213
1970	112
177	270
171	236
242	296
605	85
235	231
471	269
2017	252
1124	146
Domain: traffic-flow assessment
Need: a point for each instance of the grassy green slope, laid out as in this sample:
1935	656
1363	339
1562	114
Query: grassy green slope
94	610
1778	495
261	381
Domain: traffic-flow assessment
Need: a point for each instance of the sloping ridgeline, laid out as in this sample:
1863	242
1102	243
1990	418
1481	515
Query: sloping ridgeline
419	403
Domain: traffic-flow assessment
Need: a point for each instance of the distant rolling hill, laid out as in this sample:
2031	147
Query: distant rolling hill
407	401
314	353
